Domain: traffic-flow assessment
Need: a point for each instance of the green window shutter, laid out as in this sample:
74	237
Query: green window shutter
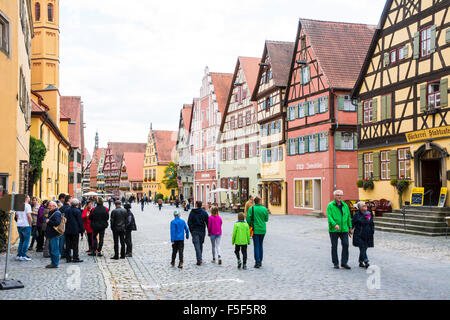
316	106
433	39
386	59
309	73
355	141
383	107
389	106
376	166
360	166
393	165
341	103
360	113
423	97
316	141
447	35
326	103
416	45
296	146
289	147
337	140
374	110
306	106
327	140
405	51
301	76
306	142
444	92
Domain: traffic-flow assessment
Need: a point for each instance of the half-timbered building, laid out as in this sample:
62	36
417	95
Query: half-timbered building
321	119
185	166
269	93
403	113
239	145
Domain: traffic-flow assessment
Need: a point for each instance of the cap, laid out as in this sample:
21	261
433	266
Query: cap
176	213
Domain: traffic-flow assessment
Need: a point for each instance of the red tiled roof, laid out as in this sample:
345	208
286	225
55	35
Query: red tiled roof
186	114
280	54
222	85
71	108
340	48
165	143
134	163
119	148
35	107
250	66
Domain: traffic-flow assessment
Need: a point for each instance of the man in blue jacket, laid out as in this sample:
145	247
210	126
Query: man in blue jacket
178	228
198	222
54	219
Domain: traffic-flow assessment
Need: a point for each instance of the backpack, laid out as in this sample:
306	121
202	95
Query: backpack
61	228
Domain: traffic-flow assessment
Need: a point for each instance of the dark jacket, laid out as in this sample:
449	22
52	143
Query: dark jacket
74	223
131	223
198	220
55	220
99	218
119	218
64	207
363	230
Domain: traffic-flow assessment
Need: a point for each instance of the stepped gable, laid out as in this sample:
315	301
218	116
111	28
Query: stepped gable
222	85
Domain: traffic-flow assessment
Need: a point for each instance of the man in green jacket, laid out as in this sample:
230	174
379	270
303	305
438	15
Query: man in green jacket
339	225
257	216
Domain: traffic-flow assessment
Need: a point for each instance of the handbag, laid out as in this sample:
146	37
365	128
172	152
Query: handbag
61	228
253	223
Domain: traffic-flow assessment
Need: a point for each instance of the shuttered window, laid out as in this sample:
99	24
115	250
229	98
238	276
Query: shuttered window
404	164
425	42
4	35
301	110
385	165
312	143
291	115
311	108
368	165
323	104
386	107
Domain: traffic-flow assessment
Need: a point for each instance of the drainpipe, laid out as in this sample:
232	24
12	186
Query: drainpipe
57	170
334	139
40	137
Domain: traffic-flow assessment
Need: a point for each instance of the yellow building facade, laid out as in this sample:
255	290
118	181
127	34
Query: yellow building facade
48	124
403	112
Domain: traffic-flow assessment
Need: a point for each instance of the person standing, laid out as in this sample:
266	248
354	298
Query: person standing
24	222
62	242
34	214
197	222
130	227
142	204
40	226
87	225
118	227
250	203
74	226
215	233
160	204
178	229
241	238
339	227
257	216
99	222
53	220
363	231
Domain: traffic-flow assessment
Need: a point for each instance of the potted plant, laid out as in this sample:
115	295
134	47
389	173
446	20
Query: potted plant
401	185
360	183
368	184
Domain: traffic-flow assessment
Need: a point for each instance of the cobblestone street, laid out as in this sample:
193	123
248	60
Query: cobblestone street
297	265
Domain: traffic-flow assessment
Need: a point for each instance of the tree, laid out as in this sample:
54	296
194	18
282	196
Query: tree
37	155
170	176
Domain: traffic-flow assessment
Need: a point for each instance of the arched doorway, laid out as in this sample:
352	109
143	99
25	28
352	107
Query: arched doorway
430	170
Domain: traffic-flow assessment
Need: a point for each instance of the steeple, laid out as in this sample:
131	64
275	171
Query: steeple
96	141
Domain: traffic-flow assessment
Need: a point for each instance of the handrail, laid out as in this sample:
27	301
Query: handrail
430	192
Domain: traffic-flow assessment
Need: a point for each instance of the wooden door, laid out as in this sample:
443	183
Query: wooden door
431	180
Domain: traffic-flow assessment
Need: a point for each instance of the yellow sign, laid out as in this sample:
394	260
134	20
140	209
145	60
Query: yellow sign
417	196
442	197
428	134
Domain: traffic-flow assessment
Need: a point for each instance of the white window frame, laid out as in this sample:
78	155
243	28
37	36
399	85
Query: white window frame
311	140
301	110
311	110
346	145
301	145
312	179
323	141
322	104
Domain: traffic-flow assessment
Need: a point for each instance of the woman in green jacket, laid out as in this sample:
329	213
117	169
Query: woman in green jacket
241	238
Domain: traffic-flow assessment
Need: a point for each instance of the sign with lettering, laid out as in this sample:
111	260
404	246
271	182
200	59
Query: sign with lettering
417	197
442	197
428	134
301	166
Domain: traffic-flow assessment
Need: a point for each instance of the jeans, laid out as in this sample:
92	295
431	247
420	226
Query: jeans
98	245
116	236
215	245
53	246
258	247
128	242
72	244
334	236
142	206
178	246
197	239
34	236
24	235
242	248
363	254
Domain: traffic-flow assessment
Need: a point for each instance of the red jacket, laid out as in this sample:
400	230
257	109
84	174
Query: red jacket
86	221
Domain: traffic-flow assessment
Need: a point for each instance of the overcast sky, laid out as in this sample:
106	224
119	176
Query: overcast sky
138	61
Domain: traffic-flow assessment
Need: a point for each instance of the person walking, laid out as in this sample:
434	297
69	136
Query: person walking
363	231
257	216
24	222
130	227
178	229
142	204
215	233
53	237
197	223
40	226
99	222
339	227
160	204
34	214
240	239
118	227
250	203
87	225
74	227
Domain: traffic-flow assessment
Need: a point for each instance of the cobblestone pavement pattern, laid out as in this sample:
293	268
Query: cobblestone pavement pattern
297	265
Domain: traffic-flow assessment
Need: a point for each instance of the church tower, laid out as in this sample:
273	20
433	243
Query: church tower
45	54
96	141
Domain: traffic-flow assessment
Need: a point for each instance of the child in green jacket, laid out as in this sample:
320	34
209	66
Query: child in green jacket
241	238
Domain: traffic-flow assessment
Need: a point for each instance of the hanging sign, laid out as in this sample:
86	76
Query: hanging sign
417	197
442	197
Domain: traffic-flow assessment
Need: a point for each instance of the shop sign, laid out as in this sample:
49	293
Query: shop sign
428	134
417	197
442	197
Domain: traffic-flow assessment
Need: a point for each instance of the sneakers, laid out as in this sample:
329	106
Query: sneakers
26	258
18	258
366	264
213	261
239	264
244	267
129	255
361	265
